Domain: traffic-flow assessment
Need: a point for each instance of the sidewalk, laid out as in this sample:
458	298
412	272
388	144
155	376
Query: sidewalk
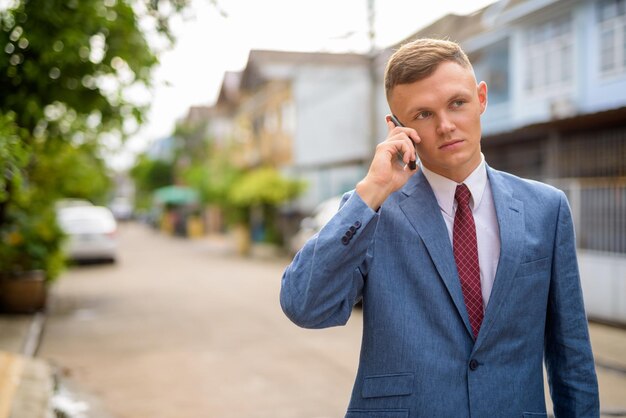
26	383
609	349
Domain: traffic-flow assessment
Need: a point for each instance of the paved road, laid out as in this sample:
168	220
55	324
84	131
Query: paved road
180	330
184	329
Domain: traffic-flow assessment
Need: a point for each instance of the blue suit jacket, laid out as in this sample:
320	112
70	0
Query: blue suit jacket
418	355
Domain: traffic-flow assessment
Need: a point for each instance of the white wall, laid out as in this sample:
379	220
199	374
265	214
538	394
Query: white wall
332	125
331	115
603	278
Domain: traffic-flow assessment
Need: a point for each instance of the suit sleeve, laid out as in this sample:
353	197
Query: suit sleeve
568	356
325	279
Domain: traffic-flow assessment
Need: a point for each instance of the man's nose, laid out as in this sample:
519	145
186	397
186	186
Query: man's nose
445	125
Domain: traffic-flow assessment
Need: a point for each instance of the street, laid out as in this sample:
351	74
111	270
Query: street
185	329
179	330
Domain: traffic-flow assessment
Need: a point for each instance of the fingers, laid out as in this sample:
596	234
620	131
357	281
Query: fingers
393	129
398	147
403	140
391	167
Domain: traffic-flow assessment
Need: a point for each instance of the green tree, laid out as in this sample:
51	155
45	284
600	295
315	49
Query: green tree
69	59
263	189
149	175
13	157
192	142
65	69
204	165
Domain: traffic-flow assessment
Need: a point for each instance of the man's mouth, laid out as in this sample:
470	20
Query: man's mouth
450	144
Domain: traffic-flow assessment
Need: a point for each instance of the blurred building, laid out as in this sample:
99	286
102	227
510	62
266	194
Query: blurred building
303	113
222	120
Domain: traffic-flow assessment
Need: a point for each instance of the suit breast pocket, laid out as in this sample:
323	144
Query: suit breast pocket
534	267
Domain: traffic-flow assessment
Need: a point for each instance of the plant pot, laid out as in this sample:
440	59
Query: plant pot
23	292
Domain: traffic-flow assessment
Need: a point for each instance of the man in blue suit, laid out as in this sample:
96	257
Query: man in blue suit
468	275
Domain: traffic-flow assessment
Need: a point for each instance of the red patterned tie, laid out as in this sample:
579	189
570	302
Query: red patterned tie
466	257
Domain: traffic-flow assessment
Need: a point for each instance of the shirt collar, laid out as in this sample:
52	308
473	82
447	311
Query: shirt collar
444	188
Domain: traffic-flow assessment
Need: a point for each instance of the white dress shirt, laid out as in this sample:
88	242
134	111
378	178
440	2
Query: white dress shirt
484	211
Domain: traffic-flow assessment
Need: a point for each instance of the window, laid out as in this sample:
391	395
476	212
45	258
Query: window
612	29
549	51
493	67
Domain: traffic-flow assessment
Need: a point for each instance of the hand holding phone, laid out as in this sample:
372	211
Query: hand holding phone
412	163
391	167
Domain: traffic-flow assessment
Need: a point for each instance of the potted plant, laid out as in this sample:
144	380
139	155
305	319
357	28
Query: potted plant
30	257
30	240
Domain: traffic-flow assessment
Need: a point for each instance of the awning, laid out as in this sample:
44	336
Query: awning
176	195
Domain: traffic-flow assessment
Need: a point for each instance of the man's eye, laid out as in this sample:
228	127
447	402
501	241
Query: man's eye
458	103
423	115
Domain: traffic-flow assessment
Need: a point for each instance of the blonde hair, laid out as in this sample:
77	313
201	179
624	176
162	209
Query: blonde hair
420	58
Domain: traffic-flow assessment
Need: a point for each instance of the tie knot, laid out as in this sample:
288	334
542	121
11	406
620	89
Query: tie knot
462	195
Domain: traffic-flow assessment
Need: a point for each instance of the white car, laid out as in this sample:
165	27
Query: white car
122	208
91	232
311	225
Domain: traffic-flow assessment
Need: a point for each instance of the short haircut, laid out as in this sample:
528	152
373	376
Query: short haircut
420	58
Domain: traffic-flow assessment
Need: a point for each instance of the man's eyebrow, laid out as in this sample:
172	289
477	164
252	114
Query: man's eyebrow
460	94
455	96
417	109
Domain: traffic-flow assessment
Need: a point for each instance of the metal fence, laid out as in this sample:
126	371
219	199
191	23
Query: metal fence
599	212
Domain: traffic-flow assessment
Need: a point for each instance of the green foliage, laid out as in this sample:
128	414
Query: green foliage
13	156
264	189
213	179
76	171
67	59
31	240
152	174
148	176
264	186
192	143
65	67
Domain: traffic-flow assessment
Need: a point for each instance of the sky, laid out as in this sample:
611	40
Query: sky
216	36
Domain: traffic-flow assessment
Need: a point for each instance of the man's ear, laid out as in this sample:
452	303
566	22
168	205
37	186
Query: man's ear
481	88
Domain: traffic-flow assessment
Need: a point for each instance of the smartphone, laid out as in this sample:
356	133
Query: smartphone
413	163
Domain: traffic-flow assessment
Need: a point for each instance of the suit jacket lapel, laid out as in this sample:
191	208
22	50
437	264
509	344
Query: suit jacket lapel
510	214
419	210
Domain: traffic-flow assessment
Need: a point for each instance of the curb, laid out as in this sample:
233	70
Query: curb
26	382
33	335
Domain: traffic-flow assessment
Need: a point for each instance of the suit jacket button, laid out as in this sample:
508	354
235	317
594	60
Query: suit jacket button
345	240
357	224
353	229
473	364
349	233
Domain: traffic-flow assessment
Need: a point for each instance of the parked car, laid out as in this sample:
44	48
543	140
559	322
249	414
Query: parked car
122	208
91	232
311	225
64	203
